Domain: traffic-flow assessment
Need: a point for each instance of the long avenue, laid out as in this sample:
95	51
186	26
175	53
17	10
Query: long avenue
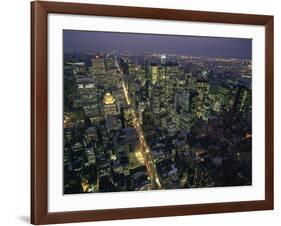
146	152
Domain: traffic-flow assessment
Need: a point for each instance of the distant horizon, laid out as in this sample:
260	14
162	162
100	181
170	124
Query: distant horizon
148	53
99	41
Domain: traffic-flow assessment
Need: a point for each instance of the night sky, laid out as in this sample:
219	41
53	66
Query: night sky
166	44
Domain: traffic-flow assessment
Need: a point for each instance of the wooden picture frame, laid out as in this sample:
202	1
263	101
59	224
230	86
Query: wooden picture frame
39	112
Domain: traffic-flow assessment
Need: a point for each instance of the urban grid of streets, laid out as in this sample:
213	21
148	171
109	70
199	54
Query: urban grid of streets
150	166
190	115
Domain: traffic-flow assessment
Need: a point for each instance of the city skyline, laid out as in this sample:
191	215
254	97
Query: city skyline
153	43
138	121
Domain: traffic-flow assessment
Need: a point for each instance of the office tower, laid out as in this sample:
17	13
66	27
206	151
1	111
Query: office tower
154	73
109	105
98	66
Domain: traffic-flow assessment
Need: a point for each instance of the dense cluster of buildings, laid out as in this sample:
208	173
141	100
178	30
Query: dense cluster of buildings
155	122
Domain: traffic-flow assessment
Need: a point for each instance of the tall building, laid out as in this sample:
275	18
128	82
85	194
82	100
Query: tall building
109	105
154	73
163	59
79	68
172	69
243	95
225	98
201	104
109	63
98	66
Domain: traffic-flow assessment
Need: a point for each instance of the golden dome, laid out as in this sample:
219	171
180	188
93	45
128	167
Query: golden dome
108	99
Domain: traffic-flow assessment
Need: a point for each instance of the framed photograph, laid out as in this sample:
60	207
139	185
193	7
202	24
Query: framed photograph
148	112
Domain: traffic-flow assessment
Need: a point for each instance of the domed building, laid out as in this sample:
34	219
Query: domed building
109	105
108	99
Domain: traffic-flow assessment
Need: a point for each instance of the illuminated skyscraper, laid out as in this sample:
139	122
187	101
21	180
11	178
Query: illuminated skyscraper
163	59
109	105
154	73
98	66
243	95
201	104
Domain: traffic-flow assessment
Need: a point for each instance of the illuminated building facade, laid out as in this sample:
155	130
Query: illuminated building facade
109	106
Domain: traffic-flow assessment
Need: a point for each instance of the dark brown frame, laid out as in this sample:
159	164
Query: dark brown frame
39	109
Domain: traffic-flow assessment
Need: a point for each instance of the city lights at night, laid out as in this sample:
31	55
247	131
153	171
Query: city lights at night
154	112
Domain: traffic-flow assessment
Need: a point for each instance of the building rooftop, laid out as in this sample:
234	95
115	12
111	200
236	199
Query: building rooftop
108	99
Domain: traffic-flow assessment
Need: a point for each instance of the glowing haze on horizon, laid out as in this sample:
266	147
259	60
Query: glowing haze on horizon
153	43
